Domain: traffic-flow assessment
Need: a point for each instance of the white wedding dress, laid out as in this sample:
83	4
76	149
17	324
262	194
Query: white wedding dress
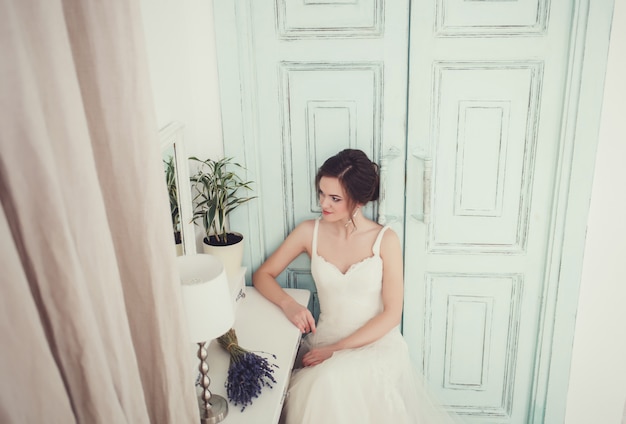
372	384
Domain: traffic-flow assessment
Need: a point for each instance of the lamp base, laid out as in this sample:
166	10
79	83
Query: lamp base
216	413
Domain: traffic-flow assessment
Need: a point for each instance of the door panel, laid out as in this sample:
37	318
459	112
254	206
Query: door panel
483	316
334	18
488	18
326	107
486	87
485	116
327	75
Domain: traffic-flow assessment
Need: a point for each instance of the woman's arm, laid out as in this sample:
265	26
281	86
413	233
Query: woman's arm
390	317
264	278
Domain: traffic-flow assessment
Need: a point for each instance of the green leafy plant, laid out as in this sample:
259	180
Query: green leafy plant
170	178
217	193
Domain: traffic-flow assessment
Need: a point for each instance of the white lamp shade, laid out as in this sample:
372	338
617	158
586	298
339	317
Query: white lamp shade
206	296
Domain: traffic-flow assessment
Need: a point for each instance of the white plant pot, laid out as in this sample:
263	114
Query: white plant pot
231	256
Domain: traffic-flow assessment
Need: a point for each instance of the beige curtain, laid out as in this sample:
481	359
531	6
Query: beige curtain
90	328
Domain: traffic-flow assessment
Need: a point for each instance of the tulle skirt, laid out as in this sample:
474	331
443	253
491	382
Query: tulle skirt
372	384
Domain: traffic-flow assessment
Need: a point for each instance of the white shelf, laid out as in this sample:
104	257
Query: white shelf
260	326
238	287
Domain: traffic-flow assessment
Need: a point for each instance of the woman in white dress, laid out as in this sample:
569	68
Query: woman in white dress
353	365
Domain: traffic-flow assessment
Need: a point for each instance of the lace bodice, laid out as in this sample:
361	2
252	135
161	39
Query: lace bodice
348	300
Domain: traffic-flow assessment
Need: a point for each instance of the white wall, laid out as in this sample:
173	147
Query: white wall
597	390
181	53
181	56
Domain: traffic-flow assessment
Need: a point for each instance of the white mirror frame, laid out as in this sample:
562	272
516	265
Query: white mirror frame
172	136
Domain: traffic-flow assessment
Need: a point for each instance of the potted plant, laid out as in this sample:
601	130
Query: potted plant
218	190
172	190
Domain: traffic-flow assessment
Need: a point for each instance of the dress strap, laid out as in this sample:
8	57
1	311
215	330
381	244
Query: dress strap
379	238
314	244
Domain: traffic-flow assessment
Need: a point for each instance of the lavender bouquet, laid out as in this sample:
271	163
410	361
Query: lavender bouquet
248	372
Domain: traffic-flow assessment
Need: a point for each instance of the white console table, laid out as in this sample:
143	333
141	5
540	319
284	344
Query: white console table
260	326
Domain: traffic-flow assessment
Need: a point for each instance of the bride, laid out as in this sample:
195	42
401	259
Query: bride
353	364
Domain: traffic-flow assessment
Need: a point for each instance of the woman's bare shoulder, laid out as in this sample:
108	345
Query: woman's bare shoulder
302	235
390	240
303	231
305	226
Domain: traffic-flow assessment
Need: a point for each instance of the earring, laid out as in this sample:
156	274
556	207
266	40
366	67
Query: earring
350	219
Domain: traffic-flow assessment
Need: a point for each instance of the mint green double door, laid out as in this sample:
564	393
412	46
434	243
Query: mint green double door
466	106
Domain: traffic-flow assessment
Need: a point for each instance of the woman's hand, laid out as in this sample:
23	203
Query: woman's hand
300	316
317	356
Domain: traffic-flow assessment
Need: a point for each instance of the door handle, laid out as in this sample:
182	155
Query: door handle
424	215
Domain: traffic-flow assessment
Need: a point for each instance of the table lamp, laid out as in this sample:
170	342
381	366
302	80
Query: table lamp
209	311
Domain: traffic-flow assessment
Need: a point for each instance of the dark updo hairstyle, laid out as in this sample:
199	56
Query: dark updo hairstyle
356	173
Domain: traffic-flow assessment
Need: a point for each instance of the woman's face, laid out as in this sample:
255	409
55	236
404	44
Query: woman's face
333	200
